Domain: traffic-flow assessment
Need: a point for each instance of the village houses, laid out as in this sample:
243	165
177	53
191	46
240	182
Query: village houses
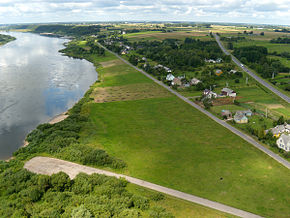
209	94
279	129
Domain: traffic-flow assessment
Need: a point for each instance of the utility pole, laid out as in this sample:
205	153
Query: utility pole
273	75
227	84
247	80
266	113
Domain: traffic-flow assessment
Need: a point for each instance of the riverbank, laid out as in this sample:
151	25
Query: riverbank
4	39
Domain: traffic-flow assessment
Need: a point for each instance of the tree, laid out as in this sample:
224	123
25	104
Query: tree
207	103
262	33
60	181
230	46
281	120
81	212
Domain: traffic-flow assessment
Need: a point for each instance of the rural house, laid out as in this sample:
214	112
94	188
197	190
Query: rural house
279	129
176	81
209	94
194	81
240	117
284	142
228	92
226	114
170	77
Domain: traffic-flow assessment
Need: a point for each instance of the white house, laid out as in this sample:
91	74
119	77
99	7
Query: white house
209	94
229	92
279	129
170	77
232	71
194	81
284	142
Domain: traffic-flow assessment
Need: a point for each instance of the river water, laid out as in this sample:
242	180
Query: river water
36	83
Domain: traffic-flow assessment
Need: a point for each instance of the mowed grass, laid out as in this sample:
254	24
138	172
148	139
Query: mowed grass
178	207
166	141
271	46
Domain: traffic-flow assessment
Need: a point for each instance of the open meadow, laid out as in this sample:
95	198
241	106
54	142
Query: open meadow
165	141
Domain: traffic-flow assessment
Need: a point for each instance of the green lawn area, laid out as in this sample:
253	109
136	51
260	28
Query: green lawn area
271	46
165	141
178	207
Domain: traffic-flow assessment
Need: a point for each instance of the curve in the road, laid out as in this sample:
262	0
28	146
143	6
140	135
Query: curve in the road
229	127
49	166
252	74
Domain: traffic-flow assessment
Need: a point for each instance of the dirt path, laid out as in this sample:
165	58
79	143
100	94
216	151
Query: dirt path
49	166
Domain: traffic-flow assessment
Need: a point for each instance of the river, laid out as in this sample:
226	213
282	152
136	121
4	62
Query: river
36	83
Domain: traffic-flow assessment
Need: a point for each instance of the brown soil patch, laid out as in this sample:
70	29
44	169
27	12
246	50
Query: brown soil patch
274	106
128	92
223	101
111	63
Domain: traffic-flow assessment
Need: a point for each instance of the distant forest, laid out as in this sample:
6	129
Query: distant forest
70	30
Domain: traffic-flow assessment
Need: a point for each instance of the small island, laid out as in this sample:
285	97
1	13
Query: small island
5	39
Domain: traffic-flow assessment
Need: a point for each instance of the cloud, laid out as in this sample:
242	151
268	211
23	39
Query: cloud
272	11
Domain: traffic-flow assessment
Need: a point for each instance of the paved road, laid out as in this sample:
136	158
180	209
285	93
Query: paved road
49	166
252	74
231	128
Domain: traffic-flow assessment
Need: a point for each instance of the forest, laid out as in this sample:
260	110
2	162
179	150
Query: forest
70	30
25	194
256	58
178	55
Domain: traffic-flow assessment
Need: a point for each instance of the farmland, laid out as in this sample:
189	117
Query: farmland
165	129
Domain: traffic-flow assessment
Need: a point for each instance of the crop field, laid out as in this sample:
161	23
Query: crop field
154	35
165	141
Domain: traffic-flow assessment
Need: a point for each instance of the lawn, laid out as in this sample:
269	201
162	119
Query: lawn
165	141
178	207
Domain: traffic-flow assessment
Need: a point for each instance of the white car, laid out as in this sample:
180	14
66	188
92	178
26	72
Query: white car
242	65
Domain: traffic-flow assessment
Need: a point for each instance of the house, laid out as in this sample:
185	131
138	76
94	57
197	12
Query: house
210	61
176	81
209	94
248	113
232	71
284	142
218	72
228	92
279	129
170	77
167	69
194	81
219	60
124	52
186	85
226	113
144	59
240	117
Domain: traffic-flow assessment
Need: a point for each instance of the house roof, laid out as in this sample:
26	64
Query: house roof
225	112
240	116
285	139
227	90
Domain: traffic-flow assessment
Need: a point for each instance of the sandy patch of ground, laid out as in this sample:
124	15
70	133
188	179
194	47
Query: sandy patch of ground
128	92
58	118
111	63
274	106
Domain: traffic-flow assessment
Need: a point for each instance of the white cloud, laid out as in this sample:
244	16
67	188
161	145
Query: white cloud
255	11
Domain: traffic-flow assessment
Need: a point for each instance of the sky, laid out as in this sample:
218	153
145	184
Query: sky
229	11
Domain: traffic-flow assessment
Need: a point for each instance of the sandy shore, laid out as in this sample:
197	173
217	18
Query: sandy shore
54	120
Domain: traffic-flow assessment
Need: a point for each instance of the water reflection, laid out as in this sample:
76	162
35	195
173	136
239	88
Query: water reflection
36	83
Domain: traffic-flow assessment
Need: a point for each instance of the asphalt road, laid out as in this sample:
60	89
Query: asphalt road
252	74
49	166
229	127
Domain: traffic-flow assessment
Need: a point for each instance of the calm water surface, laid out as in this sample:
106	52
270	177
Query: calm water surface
36	84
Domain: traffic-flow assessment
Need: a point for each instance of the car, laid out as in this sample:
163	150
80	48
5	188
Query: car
242	65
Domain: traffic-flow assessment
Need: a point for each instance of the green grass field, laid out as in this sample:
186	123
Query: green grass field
178	207
165	141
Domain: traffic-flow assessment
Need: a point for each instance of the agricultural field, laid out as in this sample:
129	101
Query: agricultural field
154	35
151	134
